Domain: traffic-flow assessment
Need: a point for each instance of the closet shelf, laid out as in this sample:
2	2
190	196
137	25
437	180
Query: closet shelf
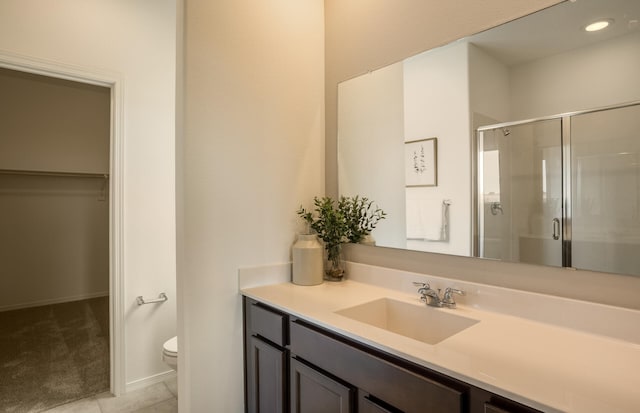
53	173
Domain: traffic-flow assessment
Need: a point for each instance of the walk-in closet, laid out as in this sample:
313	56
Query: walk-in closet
54	240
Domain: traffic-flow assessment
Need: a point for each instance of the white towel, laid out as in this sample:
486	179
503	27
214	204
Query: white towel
424	219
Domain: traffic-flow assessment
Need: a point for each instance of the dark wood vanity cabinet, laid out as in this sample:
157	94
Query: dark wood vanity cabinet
294	366
266	359
388	385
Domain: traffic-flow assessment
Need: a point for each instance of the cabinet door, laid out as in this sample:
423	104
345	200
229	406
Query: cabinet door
266	378
313	392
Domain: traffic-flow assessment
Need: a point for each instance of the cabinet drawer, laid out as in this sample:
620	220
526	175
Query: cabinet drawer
392	384
497	405
268	323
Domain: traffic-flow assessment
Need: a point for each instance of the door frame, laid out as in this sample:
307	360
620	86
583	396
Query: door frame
114	82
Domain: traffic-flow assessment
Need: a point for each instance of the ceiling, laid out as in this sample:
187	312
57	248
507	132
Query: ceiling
558	29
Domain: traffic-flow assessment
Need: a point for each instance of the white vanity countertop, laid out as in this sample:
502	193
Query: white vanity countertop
545	366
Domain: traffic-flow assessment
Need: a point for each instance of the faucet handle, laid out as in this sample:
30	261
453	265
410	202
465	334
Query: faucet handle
447	298
424	287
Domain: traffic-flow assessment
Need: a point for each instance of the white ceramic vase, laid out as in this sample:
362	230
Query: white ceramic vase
307	254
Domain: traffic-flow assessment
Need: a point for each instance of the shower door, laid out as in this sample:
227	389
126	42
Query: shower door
520	193
605	170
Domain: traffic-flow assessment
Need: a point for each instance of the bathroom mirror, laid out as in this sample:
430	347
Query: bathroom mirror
520	143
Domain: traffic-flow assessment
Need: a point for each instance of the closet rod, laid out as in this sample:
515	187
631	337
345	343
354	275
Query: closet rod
52	173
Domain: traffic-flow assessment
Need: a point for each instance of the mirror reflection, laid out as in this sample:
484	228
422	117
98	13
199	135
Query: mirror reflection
534	130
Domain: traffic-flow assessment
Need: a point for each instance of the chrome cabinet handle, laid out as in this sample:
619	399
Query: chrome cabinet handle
556	228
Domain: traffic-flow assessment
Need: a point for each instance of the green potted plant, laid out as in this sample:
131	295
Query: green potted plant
337	223
362	218
329	222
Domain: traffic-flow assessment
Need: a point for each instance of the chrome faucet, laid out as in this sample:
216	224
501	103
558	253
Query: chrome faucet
428	295
432	297
447	298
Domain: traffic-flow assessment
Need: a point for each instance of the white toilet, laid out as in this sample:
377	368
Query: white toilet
170	353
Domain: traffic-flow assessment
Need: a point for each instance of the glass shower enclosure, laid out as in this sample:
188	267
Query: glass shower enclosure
562	190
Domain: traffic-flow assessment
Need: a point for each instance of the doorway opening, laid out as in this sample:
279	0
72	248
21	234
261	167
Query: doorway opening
65	200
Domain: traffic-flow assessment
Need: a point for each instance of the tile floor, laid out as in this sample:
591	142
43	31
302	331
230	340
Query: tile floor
158	398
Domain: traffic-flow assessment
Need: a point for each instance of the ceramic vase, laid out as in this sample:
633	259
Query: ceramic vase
307	260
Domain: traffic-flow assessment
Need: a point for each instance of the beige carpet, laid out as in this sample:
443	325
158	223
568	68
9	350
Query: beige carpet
53	354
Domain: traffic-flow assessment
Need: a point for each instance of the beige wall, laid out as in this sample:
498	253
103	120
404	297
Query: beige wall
50	124
538	88
54	231
252	152
54	240
362	35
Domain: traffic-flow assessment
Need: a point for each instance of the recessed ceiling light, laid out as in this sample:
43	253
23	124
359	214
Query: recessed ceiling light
598	25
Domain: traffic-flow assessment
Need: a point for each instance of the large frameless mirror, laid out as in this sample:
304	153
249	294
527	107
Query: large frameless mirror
520	143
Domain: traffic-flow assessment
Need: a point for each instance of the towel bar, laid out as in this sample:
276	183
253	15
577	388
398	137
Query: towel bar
161	298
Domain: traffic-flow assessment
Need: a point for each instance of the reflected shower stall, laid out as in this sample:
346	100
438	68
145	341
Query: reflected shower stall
562	190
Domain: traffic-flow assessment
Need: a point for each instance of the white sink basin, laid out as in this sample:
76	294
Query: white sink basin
416	321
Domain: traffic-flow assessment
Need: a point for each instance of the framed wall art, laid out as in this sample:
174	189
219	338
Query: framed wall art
421	162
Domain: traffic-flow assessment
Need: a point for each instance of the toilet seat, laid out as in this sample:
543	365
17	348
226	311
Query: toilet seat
170	347
170	352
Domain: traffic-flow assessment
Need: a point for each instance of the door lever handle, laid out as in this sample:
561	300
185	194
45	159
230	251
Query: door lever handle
556	228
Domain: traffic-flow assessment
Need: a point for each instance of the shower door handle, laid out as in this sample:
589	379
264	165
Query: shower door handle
556	228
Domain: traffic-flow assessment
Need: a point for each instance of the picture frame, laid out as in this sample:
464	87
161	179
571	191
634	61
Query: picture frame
421	162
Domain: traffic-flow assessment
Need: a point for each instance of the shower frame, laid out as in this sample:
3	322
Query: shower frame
565	147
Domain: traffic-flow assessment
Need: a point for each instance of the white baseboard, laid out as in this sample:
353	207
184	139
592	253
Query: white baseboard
50	301
148	381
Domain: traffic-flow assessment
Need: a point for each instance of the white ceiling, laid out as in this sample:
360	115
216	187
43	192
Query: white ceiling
558	29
